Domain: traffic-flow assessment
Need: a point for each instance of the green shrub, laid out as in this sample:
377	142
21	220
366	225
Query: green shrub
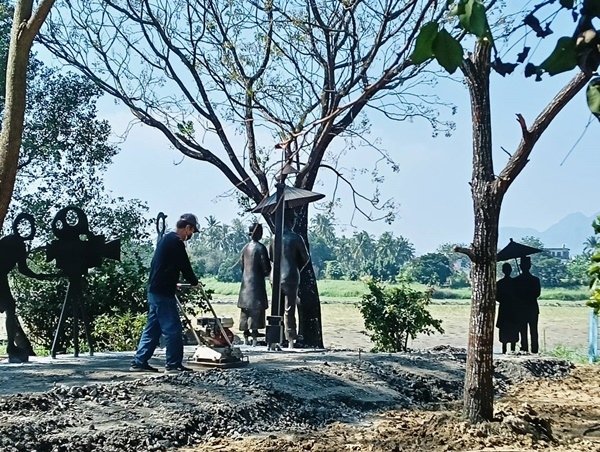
118	332
395	314
569	354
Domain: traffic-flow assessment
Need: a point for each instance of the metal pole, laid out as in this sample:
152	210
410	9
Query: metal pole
275	320
277	250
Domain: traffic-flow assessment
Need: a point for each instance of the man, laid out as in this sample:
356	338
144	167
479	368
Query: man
528	290
293	260
252	299
13	252
507	322
169	261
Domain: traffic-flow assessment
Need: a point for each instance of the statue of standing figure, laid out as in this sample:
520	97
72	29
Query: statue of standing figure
508	322
252	299
294	258
13	253
528	291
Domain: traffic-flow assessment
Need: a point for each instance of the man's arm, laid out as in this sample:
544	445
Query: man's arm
185	266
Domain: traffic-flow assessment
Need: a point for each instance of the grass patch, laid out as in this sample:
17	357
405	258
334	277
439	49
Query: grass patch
570	354
351	291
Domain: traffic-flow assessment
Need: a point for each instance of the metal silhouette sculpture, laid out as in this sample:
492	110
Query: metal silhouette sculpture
508	321
252	299
161	225
528	289
13	253
76	250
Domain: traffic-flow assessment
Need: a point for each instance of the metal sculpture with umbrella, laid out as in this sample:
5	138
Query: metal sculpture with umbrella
284	197
516	250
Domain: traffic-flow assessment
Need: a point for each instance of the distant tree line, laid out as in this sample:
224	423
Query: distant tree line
390	258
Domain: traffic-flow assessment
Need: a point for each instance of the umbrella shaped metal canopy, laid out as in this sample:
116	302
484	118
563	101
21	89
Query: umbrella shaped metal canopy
293	197
515	250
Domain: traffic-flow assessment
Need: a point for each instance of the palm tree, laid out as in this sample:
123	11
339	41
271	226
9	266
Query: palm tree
590	245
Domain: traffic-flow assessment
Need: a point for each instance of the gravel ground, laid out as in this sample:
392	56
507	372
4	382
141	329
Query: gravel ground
93	404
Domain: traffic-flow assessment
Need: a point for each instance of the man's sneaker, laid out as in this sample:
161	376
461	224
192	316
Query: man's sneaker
177	369
142	368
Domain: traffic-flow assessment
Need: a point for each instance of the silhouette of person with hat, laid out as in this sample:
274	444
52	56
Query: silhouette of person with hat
528	290
252	299
508	320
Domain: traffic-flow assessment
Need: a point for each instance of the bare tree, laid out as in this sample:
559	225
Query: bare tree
25	26
299	74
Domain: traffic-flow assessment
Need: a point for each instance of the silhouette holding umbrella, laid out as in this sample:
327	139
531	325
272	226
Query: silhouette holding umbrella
292	197
515	250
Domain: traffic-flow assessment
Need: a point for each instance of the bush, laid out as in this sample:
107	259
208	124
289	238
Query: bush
395	314
230	270
118	332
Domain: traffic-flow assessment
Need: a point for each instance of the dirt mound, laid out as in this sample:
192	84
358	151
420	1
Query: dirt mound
297	395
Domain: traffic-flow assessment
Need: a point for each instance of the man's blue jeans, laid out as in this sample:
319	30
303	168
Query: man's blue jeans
163	318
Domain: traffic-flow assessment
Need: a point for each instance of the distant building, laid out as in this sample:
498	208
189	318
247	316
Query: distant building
560	253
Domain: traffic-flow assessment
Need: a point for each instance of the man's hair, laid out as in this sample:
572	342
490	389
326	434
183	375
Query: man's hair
182	224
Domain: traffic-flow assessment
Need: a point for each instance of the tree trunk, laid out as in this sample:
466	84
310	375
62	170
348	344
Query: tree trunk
309	310
24	28
479	390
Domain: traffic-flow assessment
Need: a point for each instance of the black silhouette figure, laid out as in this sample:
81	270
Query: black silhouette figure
508	317
13	252
528	290
76	250
252	299
294	258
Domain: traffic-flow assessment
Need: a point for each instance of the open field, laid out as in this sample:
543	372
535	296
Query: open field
343	327
353	290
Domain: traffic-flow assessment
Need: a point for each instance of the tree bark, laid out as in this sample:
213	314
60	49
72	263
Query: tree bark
24	28
309	310
479	390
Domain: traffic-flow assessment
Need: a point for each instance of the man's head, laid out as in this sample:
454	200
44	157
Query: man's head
506	269
525	263
255	231
187	225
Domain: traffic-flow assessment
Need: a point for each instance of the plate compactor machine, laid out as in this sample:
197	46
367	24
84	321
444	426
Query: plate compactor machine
213	336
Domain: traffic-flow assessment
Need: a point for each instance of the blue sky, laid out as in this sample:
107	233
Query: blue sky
431	188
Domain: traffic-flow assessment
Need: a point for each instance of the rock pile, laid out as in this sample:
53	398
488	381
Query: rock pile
169	411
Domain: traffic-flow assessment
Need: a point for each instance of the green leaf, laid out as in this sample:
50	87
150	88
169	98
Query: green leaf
593	96
447	51
424	43
474	19
563	58
569	4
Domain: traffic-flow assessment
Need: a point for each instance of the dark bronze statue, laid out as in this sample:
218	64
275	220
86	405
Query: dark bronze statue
294	258
528	290
508	319
253	293
74	257
13	252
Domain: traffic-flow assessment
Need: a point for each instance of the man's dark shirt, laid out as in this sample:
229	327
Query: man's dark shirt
169	261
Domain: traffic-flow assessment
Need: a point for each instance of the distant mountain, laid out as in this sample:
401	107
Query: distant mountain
571	231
